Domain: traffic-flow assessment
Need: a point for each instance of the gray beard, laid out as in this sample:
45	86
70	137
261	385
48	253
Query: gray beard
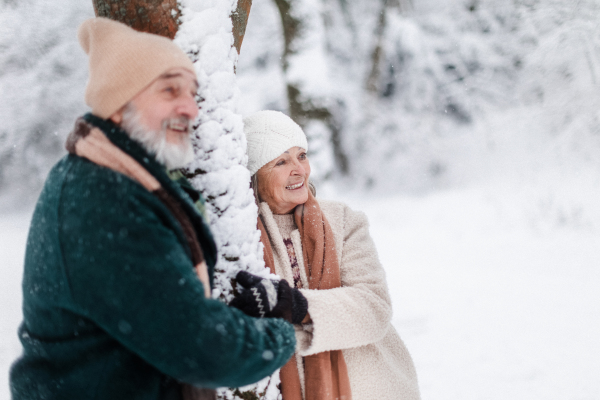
171	155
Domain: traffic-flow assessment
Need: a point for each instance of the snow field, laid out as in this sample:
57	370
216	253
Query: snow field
489	306
13	237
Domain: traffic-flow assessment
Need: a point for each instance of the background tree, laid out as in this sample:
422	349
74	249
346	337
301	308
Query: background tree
301	25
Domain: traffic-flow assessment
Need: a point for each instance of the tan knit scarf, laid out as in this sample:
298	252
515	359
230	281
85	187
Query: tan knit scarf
325	374
90	142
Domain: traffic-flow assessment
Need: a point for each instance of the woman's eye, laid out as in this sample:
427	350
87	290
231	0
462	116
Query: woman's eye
280	162
302	156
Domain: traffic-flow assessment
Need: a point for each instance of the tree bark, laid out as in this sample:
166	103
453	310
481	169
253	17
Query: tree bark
153	16
161	17
240	21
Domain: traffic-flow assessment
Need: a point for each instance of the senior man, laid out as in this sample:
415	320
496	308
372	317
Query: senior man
119	262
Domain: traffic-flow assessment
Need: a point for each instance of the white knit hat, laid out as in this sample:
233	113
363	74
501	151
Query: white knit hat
269	134
123	62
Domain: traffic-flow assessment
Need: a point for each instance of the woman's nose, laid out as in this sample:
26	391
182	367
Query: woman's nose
299	168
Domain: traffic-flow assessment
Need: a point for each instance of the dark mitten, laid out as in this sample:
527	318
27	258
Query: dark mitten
259	297
291	304
285	302
271	299
299	306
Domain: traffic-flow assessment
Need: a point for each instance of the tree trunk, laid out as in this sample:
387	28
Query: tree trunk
153	16
161	17
302	107
405	6
240	21
372	85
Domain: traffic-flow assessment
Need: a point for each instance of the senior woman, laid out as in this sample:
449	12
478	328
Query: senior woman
346	346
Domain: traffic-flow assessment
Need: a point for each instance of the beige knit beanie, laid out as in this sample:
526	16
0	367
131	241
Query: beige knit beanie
269	134
123	62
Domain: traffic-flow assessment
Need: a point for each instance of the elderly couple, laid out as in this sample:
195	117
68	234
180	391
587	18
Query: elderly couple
119	262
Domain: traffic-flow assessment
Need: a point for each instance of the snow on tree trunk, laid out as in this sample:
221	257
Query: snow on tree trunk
219	169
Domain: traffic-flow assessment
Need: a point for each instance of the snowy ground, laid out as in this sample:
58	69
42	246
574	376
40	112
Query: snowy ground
490	309
494	299
13	235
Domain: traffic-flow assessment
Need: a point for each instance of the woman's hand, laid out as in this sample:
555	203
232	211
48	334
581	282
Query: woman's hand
265	298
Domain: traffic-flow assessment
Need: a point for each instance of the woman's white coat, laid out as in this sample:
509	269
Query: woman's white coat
356	317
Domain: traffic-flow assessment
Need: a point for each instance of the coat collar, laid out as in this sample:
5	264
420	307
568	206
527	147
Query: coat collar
186	197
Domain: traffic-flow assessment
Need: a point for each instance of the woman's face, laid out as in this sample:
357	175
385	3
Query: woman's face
283	183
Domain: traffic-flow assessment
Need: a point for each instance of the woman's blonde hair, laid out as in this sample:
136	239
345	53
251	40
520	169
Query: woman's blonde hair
254	187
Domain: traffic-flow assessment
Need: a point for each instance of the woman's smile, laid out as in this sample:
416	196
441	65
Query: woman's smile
296	186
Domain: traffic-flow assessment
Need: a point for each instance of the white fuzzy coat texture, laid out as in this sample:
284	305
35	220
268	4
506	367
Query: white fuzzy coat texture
356	317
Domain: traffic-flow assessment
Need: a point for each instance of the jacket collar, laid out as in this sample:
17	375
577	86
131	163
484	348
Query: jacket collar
122	140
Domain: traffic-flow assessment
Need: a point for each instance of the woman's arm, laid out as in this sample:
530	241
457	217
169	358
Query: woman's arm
359	312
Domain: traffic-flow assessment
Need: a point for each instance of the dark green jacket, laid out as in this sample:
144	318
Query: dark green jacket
111	303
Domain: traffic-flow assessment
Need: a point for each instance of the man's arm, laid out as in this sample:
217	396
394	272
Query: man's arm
128	271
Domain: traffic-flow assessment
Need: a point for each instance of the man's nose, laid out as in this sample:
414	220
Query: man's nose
187	106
